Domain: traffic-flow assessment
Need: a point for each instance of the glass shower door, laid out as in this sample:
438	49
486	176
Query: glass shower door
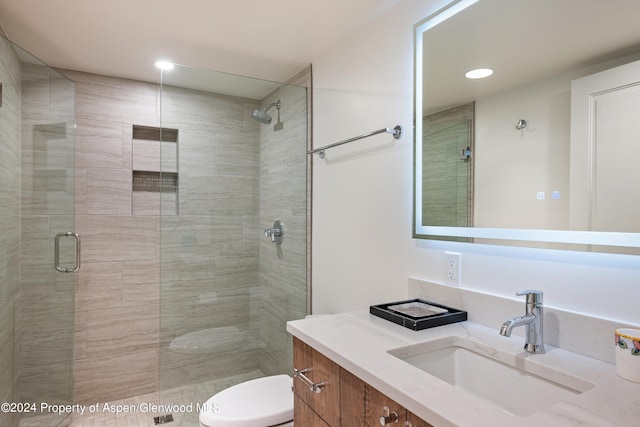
227	290
49	248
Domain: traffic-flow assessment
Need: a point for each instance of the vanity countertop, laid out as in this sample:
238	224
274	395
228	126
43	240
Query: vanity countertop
360	342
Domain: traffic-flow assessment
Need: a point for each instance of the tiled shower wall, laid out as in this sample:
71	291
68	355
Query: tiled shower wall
116	298
10	225
126	316
283	196
47	190
209	252
447	180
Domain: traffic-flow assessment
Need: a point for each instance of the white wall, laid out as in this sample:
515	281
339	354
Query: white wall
363	251
512	165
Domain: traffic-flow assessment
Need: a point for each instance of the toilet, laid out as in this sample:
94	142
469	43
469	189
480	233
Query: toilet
263	402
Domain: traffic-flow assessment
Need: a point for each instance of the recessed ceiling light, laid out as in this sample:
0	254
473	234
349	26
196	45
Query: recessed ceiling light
479	73
164	65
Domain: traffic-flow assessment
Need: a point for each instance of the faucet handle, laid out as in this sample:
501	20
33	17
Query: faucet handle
533	296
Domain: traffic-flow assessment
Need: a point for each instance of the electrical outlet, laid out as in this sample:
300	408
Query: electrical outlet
452	268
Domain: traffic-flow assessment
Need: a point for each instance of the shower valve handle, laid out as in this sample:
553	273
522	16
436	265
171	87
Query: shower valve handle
272	232
276	233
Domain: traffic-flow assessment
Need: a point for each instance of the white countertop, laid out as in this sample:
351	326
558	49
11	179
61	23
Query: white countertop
360	342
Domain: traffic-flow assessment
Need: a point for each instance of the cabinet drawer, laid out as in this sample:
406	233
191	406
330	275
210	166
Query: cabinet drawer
304	416
317	369
378	405
352	398
415	421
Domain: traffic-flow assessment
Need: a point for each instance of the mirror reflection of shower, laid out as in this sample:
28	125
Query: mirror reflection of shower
263	116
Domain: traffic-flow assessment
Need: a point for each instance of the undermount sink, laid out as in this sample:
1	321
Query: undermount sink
515	383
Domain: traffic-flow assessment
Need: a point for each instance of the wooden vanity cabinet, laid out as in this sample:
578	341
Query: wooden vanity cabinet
414	421
344	400
377	405
352	399
318	369
303	415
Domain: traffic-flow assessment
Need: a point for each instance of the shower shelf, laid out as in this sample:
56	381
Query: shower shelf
151	133
155	181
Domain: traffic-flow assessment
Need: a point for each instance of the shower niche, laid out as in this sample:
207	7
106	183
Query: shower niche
155	170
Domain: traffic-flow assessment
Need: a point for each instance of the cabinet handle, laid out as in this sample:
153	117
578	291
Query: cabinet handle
314	387
388	417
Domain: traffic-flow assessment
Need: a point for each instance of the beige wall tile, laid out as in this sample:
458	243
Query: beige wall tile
203	236
109	192
282	272
141	283
237	154
123	330
81	192
127	145
99	285
118	238
116	100
146	203
47	191
198	150
99	144
45	307
108	377
6	350
155	156
47	344
80	335
209	194
35	240
34	384
9	246
10	176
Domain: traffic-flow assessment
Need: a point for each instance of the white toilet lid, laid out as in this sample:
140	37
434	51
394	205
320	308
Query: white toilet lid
261	402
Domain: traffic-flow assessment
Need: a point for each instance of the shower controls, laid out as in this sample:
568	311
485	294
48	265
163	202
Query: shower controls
276	233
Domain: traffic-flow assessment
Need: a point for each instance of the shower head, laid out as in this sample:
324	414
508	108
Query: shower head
262	116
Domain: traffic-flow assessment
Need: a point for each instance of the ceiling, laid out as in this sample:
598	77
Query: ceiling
265	39
523	41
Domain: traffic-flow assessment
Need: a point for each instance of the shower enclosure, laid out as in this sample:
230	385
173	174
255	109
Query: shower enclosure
170	187
226	287
37	202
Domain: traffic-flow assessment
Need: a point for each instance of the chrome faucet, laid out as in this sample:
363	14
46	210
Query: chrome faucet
532	320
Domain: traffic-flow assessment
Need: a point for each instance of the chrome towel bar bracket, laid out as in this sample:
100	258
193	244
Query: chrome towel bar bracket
396	132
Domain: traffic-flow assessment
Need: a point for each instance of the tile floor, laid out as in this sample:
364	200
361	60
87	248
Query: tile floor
107	416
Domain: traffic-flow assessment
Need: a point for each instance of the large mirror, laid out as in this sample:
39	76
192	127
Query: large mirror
543	152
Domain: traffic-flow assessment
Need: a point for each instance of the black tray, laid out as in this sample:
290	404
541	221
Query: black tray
417	323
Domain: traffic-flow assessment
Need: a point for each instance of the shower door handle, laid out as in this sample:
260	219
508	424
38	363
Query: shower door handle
61	269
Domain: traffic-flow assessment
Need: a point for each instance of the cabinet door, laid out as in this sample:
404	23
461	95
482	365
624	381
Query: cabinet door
304	416
378	406
352	398
317	369
414	421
